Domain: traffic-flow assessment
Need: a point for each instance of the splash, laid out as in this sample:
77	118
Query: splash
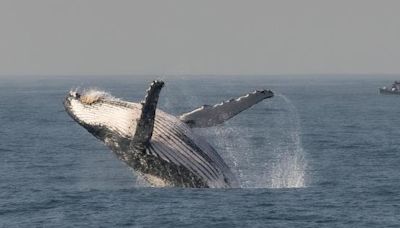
264	150
288	171
262	145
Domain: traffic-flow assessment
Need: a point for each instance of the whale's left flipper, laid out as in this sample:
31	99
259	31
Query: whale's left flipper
145	125
207	116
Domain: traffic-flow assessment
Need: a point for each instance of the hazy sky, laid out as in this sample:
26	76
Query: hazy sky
69	37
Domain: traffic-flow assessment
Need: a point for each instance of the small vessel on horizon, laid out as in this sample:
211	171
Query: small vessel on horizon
394	89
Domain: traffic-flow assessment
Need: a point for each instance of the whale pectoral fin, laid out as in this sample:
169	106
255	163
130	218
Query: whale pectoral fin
145	125
207	116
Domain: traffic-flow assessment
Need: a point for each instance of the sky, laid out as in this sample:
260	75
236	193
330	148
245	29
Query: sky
217	37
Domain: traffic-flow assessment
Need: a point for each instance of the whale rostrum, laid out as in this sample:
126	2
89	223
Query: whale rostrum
161	148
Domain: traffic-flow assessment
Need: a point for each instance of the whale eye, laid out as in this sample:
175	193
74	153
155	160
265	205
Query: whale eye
74	94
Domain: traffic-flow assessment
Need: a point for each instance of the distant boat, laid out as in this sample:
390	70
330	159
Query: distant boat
394	89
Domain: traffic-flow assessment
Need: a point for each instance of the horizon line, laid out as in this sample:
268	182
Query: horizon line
197	75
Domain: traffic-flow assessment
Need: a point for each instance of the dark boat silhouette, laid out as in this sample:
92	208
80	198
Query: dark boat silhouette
394	89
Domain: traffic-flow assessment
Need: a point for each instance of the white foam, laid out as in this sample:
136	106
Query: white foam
288	171
280	163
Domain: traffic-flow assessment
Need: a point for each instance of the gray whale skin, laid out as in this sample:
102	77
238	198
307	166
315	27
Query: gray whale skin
160	148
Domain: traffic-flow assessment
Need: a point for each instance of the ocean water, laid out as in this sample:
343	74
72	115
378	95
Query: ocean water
324	152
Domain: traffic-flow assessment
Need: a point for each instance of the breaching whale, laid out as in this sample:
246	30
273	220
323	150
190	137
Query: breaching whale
160	147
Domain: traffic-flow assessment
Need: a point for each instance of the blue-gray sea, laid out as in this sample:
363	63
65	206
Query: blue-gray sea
323	152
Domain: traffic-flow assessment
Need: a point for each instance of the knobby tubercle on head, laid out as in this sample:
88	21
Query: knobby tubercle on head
91	96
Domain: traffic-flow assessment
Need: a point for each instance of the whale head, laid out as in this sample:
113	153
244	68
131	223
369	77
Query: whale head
106	117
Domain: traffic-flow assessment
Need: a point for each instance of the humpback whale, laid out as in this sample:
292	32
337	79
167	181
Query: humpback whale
161	148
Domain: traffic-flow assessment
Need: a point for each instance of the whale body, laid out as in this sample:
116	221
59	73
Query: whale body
160	147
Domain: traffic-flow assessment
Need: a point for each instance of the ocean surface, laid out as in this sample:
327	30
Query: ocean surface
324	152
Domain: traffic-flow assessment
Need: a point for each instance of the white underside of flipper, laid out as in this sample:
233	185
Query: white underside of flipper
208	116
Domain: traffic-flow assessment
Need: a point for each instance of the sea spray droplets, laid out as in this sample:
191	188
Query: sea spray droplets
229	138
289	169
268	157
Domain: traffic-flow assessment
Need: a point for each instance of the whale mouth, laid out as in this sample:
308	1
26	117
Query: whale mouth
84	99
93	107
72	95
